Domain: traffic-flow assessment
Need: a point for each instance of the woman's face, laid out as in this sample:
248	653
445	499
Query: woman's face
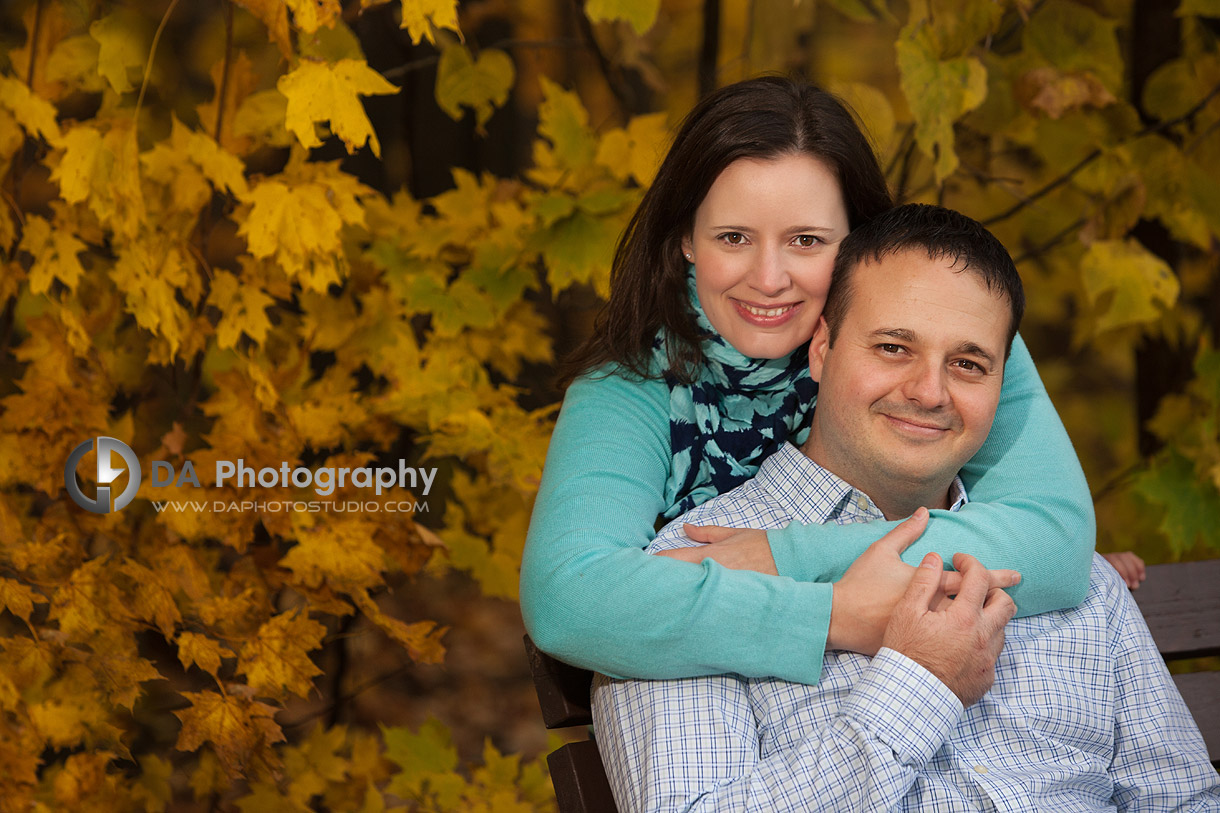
763	245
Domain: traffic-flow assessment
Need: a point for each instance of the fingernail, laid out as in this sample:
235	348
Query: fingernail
929	560
1016	578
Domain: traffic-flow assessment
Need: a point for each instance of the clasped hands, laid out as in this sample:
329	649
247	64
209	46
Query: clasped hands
951	622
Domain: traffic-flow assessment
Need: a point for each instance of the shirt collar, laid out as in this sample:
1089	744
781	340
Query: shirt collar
814	496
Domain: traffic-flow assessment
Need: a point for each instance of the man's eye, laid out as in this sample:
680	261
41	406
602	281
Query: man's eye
892	349
807	240
968	366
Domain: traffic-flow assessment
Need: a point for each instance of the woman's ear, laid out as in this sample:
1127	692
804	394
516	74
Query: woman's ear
688	248
819	345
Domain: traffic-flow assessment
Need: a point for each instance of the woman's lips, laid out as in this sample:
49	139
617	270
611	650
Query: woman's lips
765	315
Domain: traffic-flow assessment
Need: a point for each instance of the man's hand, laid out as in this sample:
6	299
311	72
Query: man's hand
1129	566
959	643
738	548
865	598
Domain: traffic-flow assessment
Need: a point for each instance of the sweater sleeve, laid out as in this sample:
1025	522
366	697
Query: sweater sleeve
1029	510
591	596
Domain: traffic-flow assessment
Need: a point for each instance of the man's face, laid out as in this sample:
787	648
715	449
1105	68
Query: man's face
908	391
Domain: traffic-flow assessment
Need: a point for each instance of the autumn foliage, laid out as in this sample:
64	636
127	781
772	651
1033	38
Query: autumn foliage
187	268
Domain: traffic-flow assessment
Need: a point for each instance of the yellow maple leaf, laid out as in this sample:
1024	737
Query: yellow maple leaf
151	599
202	651
310	15
104	171
341	553
19	599
73	64
481	84
331	92
636	151
240	730
34	114
55	255
422	639
276	658
420	16
640	14
274	15
243	309
149	274
123	45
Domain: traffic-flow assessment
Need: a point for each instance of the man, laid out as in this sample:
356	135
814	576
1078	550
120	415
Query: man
909	357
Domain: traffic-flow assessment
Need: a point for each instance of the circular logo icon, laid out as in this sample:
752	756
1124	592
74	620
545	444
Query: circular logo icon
105	475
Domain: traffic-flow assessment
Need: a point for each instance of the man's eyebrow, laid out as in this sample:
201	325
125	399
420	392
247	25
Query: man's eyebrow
972	349
903	334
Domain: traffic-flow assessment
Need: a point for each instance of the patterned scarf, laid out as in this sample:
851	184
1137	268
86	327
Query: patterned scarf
737	412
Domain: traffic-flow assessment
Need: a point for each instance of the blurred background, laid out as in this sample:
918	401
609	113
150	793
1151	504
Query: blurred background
354	233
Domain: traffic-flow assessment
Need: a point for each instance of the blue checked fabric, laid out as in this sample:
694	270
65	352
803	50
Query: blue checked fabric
1083	715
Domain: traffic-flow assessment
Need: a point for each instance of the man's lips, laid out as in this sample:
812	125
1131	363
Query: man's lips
917	425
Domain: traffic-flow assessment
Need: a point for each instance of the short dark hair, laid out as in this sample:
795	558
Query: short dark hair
762	118
943	234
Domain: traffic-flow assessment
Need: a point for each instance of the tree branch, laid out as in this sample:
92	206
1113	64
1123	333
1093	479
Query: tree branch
1097	153
613	80
709	50
223	90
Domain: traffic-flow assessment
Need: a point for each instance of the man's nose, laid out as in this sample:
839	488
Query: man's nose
928	384
768	272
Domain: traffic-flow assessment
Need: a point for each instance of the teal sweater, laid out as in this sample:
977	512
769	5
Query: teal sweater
592	597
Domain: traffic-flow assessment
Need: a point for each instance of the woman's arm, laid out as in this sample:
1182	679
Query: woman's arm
1029	509
592	597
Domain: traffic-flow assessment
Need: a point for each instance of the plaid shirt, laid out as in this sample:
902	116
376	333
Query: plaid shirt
1083	715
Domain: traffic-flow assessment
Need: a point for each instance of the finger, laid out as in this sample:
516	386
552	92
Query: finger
998	610
950	582
976	581
905	534
925	584
708	533
1004	577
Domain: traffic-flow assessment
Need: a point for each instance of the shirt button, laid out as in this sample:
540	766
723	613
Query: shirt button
980	769
862	504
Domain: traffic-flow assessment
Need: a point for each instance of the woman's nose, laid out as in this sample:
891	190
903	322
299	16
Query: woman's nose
768	275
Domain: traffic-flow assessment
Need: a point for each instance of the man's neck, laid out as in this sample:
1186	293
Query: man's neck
895	499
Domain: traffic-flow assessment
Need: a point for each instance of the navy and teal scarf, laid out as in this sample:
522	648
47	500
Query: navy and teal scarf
732	417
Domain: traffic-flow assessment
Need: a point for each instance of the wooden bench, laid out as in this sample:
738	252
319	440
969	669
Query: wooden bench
1180	602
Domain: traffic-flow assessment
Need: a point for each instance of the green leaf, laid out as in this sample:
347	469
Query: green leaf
639	14
418	756
939	93
1075	39
480	84
1192	506
1125	283
577	249
563	121
1199	8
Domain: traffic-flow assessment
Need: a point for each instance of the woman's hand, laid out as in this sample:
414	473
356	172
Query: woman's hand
1128	565
864	599
738	548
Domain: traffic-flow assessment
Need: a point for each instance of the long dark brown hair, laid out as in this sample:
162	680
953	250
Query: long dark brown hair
761	118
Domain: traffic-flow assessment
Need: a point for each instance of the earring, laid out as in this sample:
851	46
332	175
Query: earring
689	257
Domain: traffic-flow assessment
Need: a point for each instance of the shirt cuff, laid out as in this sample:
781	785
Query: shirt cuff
905	706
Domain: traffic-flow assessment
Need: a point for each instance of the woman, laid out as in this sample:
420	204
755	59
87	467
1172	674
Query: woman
763	179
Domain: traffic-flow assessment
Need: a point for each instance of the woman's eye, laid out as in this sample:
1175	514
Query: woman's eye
733	238
807	241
